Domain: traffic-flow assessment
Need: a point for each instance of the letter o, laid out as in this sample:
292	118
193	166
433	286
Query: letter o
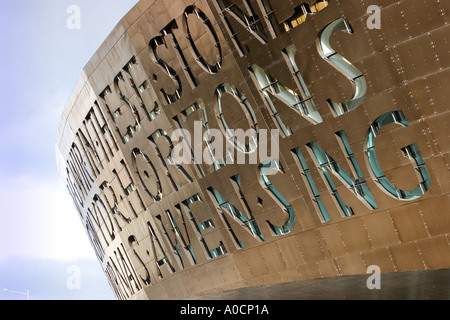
248	111
212	69
154	190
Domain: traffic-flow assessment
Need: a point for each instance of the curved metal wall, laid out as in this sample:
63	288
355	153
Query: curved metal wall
345	162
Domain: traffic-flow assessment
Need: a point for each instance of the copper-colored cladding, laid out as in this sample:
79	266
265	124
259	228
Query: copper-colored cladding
159	232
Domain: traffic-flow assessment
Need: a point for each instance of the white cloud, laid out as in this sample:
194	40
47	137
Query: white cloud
50	279
39	220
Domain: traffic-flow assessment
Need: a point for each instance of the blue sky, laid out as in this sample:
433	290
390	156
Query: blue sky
41	236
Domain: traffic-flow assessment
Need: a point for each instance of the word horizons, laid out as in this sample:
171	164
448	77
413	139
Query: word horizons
162	164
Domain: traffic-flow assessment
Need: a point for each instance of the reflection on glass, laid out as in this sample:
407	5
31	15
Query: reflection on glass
342	65
290	223
324	216
326	163
227	207
230	89
302	104
411	152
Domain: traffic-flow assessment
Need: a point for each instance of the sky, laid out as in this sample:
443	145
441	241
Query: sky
43	246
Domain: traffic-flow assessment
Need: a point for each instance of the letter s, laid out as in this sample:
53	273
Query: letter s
153	45
342	65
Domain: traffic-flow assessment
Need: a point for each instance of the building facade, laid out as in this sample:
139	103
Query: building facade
212	145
